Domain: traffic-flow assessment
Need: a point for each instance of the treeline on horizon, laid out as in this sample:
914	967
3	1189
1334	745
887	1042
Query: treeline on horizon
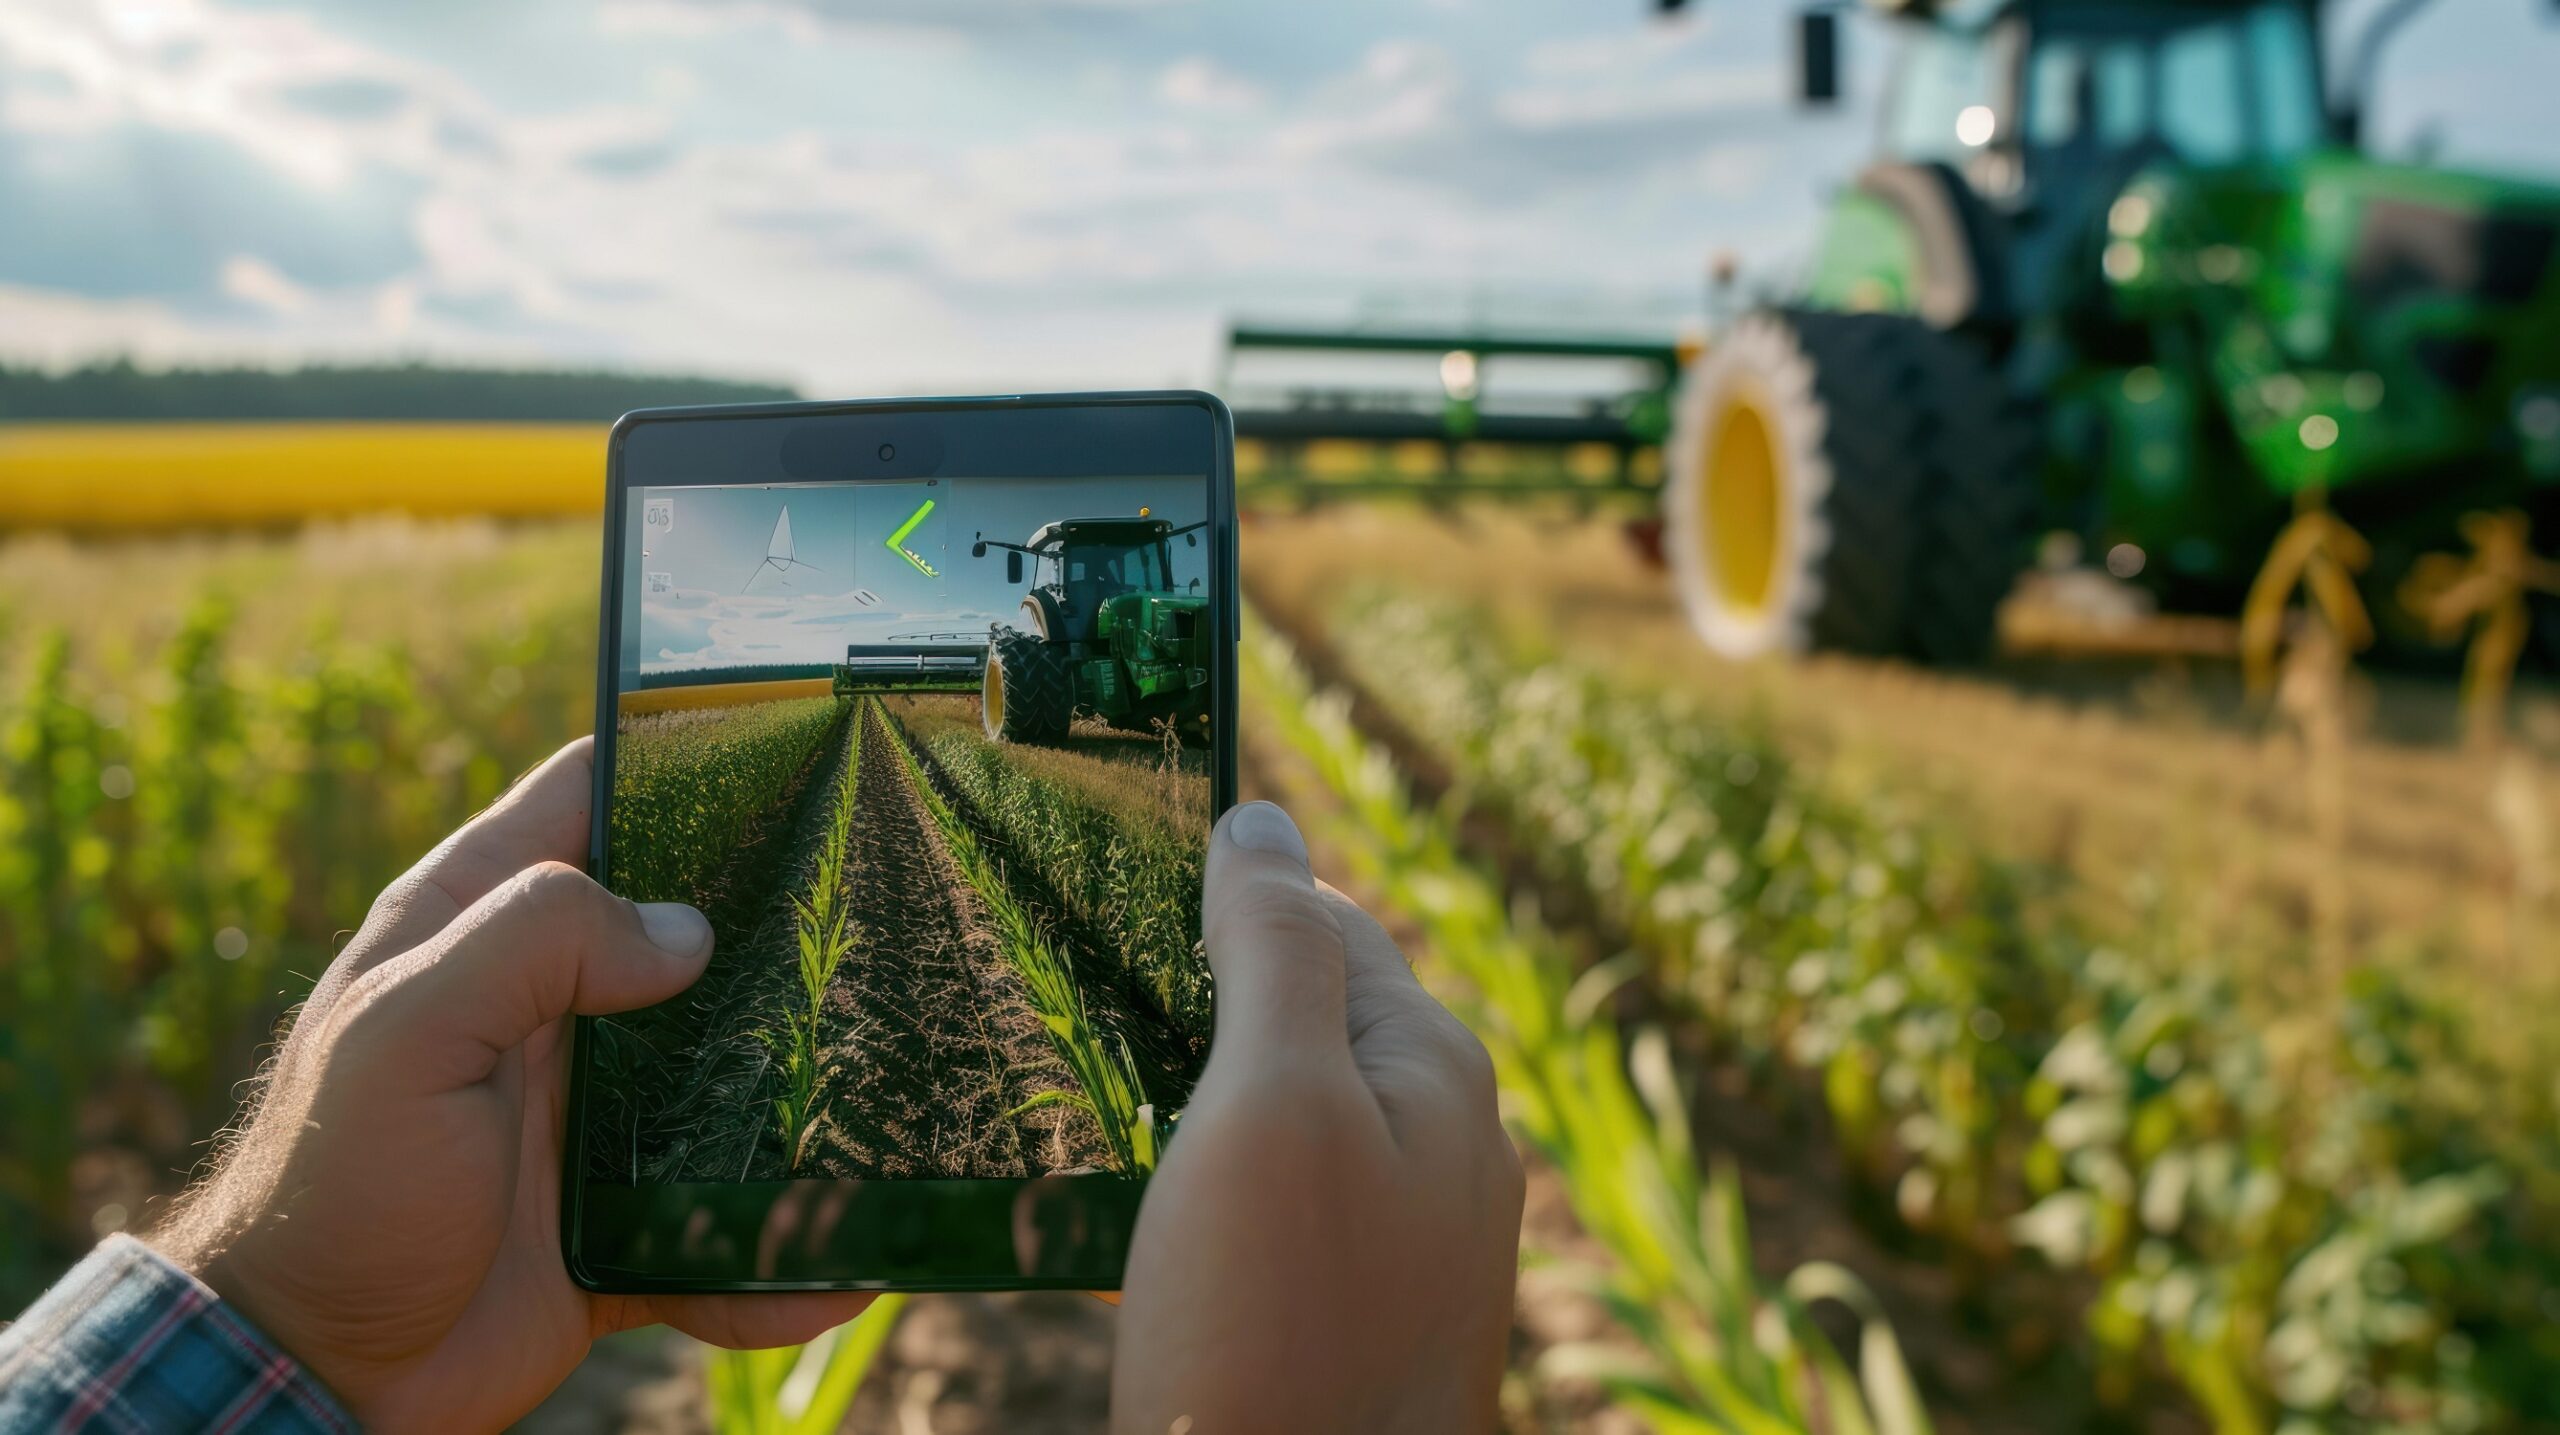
119	390
744	673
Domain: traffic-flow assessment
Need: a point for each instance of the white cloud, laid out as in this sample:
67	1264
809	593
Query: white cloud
1619	50
1402	89
694	19
191	67
1668	95
252	280
725	630
956	234
1201	83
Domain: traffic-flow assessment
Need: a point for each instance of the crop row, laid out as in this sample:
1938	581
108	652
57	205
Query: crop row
690	786
823	933
1115	869
2346	1231
1107	1084
1723	1350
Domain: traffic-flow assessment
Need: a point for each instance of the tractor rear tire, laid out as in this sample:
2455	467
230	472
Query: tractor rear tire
1981	506
1026	693
1853	482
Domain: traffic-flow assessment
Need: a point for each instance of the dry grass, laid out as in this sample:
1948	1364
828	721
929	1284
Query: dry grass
2157	784
719	695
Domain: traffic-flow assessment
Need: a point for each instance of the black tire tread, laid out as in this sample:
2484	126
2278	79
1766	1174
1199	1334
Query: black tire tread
1932	487
1981	506
1875	436
1039	699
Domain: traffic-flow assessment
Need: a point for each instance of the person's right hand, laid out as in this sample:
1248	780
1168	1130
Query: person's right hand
1331	1241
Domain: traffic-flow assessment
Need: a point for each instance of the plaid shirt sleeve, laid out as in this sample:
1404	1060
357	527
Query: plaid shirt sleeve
127	1342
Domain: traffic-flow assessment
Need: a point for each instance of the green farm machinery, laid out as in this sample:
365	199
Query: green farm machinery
912	663
1103	633
2121	283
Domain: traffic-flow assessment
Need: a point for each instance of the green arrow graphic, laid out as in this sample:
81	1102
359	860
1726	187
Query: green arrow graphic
897	542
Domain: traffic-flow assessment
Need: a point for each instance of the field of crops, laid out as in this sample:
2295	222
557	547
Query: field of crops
897	990
1877	1038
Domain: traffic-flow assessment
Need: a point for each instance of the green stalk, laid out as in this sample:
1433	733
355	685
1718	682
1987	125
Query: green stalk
824	934
1723	1351
1106	1075
798	1389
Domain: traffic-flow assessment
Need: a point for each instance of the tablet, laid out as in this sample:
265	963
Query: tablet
929	706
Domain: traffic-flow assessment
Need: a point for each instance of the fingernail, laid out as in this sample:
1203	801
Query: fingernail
1265	828
676	929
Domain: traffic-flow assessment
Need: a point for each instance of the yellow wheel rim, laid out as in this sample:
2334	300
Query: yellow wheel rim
1744	481
991	696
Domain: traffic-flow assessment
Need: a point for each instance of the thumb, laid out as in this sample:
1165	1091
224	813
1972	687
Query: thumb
1274	946
544	944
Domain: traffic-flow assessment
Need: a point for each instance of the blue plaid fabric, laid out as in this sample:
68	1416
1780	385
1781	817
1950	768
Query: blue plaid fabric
128	1342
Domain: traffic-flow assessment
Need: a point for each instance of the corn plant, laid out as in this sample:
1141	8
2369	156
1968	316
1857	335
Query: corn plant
59	1014
1116	869
688	784
823	933
798	1389
1723	1350
2019	1082
1107	1085
190	821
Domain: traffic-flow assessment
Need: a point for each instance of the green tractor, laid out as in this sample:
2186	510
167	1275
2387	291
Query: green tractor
2120	280
1103	633
2120	276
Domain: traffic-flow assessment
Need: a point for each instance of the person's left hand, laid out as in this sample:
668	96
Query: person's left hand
391	1213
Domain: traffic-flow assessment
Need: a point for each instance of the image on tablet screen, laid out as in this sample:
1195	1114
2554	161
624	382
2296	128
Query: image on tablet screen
933	758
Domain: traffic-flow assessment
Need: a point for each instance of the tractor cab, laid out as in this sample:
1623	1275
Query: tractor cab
1080	564
2118	275
1103	633
2009	129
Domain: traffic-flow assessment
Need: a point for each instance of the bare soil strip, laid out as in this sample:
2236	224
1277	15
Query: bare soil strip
931	1041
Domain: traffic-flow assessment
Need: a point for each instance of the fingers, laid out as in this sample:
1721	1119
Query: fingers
755	1322
1273	946
548	943
543	818
1431	1076
1378	983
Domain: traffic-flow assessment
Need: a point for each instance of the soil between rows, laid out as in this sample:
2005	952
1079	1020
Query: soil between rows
929	1041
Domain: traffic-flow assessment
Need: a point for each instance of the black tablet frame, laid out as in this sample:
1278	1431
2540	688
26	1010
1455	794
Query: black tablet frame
881	1235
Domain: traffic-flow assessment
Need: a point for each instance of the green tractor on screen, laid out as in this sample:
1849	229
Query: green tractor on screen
1103	633
2121	274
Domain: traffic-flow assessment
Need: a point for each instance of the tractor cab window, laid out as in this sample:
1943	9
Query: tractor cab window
1118	566
2088	92
2202	86
2213	87
2285	73
1941	106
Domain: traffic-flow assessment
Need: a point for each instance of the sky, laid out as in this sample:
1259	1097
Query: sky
710	599
899	196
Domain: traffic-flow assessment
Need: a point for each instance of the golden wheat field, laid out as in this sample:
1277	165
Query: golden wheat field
109	478
721	695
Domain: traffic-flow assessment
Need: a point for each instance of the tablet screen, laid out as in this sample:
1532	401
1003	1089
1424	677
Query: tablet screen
935	757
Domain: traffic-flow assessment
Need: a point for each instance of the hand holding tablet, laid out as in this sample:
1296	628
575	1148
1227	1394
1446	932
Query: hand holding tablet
1328	1225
